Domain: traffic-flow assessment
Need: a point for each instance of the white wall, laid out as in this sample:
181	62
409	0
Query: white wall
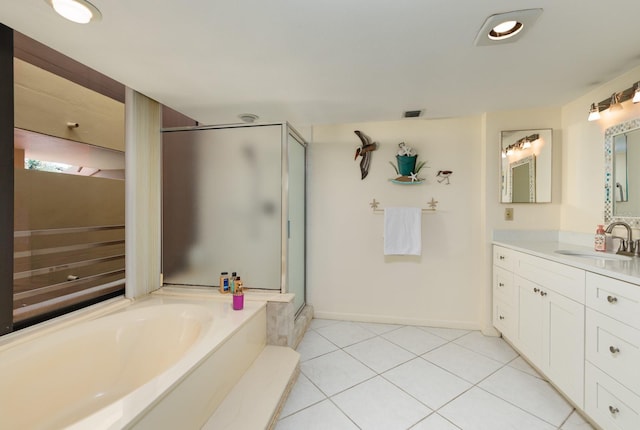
527	216
348	275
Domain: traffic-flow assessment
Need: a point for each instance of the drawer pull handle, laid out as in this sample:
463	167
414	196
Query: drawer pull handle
612	299
614	350
501	317
536	290
542	293
613	410
501	257
73	125
500	284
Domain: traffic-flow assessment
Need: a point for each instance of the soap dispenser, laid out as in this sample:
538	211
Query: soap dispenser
600	240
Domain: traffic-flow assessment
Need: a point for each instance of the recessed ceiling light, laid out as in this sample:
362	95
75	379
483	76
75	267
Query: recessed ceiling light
505	30
506	27
79	11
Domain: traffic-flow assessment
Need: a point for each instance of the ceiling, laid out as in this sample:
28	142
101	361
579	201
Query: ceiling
342	61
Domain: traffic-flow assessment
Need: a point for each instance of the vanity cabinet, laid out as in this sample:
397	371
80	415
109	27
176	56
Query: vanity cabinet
580	329
548	305
612	374
505	317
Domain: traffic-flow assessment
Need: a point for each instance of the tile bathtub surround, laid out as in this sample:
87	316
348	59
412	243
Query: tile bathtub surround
384	376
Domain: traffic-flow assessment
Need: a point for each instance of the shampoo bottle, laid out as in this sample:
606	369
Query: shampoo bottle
232	281
224	282
600	242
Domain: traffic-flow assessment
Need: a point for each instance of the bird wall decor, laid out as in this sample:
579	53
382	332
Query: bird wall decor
364	151
444	175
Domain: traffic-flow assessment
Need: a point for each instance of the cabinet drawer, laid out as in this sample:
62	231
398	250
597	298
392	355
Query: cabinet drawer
610	404
560	278
45	103
503	257
504	318
503	288
615	348
617	299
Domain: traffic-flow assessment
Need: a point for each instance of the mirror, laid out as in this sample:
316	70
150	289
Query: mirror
621	184
525	167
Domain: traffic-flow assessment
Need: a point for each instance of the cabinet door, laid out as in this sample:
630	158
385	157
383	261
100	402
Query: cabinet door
46	103
529	338
563	344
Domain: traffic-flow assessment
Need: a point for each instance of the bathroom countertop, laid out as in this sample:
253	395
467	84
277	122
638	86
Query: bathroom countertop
624	270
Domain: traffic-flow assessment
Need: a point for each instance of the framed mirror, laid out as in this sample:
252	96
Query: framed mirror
622	184
525	167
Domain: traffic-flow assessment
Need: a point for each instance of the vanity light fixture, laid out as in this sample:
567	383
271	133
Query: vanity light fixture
614	103
594	113
520	144
506	27
78	11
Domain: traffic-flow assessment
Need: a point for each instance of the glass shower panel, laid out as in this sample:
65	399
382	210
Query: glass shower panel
296	219
221	205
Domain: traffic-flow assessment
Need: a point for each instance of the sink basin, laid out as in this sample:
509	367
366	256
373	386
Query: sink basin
592	254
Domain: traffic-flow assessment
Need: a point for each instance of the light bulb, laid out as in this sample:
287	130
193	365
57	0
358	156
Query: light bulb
615	104
636	95
594	113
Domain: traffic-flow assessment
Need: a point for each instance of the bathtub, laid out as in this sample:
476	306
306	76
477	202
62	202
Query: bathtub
161	362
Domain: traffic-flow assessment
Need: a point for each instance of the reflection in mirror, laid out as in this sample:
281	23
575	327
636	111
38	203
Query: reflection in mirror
523	180
525	169
620	168
622	183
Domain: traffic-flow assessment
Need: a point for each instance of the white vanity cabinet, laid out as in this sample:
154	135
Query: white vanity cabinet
548	302
612	373
505	317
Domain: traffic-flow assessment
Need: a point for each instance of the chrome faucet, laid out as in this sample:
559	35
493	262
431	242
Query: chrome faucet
627	246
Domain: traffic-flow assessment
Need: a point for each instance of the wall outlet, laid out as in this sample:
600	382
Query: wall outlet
508	214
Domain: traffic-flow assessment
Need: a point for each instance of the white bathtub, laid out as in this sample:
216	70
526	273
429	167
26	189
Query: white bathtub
162	362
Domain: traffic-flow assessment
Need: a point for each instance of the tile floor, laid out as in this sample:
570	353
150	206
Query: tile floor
383	376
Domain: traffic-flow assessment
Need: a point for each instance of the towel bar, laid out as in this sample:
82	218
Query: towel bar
431	209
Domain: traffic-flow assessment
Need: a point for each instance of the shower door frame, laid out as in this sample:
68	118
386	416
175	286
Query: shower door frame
286	131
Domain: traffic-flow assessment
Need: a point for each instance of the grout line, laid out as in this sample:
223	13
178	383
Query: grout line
433	411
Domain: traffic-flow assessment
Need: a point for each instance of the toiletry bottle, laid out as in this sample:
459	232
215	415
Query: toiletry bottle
232	282
238	283
238	296
224	282
600	242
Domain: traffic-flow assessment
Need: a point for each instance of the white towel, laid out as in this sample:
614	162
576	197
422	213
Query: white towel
402	231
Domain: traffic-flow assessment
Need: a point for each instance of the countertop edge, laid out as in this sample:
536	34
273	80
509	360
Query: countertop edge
627	270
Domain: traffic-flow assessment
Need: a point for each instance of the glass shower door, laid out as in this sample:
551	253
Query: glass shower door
296	221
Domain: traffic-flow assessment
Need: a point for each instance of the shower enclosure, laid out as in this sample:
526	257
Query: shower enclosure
234	201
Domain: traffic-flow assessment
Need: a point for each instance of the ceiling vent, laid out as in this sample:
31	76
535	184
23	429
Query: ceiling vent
248	117
412	113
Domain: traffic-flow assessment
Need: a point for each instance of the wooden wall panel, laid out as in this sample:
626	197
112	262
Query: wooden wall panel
6	179
48	59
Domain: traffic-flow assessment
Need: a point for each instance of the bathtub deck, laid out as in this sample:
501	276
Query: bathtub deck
256	399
